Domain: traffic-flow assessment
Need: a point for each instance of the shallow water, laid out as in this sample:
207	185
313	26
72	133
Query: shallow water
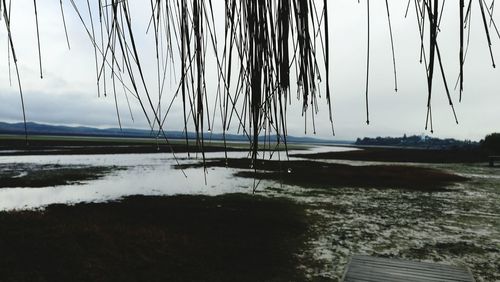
460	226
147	174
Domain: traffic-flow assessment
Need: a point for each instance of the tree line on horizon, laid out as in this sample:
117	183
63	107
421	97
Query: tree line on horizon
420	141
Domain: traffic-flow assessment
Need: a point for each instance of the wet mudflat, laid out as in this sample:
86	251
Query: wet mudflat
457	224
460	226
446	213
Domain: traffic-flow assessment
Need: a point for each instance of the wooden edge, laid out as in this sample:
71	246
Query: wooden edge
346	268
470	273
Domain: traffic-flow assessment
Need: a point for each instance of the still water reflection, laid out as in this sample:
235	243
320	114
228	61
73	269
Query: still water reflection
144	174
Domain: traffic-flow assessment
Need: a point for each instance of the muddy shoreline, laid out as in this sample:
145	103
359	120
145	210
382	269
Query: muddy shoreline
404	155
75	147
314	174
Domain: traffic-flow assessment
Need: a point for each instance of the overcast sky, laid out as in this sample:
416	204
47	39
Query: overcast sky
67	94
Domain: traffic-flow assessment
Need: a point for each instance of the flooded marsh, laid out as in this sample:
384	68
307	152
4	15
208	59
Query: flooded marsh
459	225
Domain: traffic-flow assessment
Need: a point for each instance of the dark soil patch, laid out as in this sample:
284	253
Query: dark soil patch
36	176
180	238
404	155
312	174
449	248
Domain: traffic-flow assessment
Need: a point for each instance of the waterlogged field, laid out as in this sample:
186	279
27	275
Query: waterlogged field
459	226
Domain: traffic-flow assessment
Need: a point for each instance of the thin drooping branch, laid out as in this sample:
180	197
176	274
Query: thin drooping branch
367	62
433	11
486	29
38	39
392	46
64	24
95	47
461	54
14	57
327	63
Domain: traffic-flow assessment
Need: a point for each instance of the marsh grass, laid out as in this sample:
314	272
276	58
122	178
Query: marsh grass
178	238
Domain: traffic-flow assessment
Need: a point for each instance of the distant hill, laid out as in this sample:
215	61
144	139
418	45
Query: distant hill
60	130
